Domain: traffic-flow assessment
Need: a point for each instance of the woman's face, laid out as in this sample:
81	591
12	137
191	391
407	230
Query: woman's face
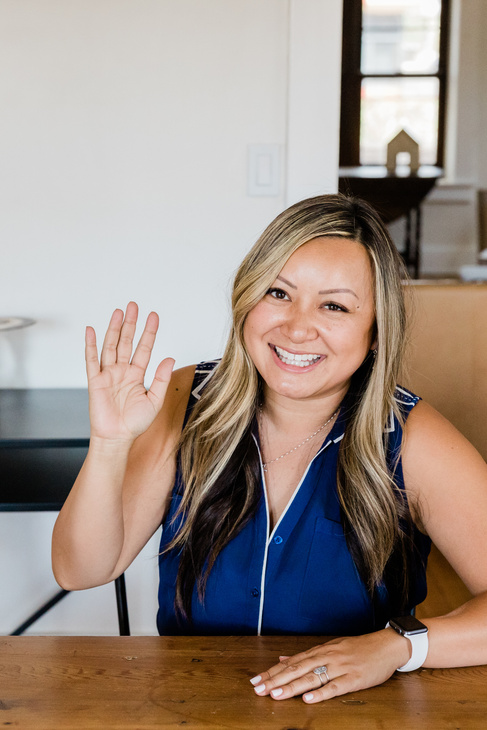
315	325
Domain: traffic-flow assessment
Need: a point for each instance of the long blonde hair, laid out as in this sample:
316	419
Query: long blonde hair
216	444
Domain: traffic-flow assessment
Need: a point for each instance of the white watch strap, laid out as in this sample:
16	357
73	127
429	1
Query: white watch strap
419	651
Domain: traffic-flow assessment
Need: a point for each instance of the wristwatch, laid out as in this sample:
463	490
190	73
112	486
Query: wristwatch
417	633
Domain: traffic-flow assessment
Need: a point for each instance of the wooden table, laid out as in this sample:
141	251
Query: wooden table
50	683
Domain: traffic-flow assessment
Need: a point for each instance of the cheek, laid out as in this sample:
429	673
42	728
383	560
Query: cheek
250	325
251	330
355	340
259	320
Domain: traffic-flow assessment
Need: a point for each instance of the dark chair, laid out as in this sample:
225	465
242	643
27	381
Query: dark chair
43	443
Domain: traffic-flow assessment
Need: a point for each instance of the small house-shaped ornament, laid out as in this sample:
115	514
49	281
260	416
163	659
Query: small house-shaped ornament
403	142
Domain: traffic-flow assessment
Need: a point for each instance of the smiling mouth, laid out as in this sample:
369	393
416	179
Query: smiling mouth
302	361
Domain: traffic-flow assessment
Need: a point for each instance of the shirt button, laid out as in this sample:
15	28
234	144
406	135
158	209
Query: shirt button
278	539
255	592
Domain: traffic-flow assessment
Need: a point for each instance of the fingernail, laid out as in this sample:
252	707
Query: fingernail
308	697
281	658
260	688
255	680
276	692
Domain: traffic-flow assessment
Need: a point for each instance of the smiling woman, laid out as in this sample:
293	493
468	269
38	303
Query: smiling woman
297	484
316	321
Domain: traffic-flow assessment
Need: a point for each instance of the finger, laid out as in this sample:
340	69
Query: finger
110	343
291	670
334	688
157	391
146	343
305	683
290	662
311	687
125	343
284	673
91	353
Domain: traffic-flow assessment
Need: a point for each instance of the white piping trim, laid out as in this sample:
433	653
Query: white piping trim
269	539
410	400
390	425
196	392
291	499
266	551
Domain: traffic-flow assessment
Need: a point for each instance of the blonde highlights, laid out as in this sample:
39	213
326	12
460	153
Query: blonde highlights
216	444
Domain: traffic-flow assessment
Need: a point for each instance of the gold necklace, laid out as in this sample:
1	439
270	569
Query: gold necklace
271	461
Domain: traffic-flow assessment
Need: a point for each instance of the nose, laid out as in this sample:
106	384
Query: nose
298	326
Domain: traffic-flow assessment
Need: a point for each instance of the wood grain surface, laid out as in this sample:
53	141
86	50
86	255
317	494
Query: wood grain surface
49	683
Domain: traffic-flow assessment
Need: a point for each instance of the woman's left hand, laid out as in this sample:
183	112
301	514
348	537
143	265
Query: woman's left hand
352	663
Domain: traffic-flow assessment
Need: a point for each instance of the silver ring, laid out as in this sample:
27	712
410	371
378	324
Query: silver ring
322	670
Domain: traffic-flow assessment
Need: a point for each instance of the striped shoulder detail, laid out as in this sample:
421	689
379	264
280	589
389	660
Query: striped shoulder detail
202	374
406	402
405	398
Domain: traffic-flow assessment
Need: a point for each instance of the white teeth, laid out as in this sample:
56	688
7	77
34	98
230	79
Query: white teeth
301	361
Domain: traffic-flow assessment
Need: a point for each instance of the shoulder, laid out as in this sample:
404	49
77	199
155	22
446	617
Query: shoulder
182	380
178	391
447	479
433	444
427	432
184	390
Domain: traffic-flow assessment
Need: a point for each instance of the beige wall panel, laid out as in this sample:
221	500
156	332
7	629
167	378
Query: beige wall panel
447	360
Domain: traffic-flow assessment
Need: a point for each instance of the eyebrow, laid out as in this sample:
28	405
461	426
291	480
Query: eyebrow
324	291
338	291
281	278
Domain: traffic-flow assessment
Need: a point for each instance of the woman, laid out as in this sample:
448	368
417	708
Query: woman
297	485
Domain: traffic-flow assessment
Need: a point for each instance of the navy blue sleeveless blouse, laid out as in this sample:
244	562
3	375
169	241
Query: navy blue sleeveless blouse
300	578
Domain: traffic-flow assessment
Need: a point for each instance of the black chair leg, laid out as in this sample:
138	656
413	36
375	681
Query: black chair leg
122	609
44	609
123	613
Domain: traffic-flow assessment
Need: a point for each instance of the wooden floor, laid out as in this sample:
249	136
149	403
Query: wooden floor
445	589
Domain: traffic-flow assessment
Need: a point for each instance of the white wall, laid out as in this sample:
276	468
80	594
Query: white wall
124	132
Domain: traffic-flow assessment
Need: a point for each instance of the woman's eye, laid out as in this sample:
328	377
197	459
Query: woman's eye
333	307
277	293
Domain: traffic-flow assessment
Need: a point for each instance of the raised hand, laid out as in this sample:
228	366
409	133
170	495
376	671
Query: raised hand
120	406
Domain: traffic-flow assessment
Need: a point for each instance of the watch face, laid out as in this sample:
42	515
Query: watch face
408	625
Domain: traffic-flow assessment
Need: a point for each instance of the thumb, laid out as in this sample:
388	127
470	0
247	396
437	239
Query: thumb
162	377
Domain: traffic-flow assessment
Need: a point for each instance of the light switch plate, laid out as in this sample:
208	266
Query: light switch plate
264	169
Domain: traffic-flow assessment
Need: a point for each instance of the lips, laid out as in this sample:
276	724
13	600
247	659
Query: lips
301	360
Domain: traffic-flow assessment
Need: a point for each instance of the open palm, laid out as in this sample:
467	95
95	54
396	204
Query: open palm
120	406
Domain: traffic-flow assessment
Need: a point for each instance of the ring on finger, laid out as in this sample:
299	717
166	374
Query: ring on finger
320	671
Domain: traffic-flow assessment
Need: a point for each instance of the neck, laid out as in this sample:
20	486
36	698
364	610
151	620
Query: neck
272	435
296	416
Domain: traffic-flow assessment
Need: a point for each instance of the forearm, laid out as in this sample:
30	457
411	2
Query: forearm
88	536
460	637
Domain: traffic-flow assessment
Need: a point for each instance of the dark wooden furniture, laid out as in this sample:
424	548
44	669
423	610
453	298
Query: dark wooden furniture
394	196
49	683
44	437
